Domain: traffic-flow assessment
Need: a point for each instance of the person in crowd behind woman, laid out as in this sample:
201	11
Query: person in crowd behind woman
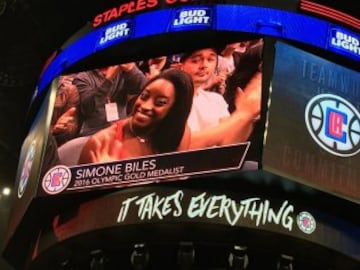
104	94
65	121
210	120
247	63
209	108
225	67
157	123
154	66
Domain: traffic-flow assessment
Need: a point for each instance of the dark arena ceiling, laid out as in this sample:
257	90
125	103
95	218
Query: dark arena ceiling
30	32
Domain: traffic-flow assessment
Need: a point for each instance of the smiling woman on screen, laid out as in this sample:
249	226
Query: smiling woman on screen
157	124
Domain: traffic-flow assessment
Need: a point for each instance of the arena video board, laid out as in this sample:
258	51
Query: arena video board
164	118
26	184
181	20
314	122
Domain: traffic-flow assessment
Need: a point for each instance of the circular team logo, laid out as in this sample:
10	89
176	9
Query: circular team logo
25	172
306	222
334	124
56	180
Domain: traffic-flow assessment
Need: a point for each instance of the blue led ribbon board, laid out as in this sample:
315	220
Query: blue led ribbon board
239	18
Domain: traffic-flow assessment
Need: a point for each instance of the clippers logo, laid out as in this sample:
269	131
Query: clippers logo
25	173
334	124
116	32
56	180
306	222
192	17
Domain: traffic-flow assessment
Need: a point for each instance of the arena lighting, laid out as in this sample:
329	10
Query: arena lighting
139	257
285	262
238	258
98	260
6	191
186	255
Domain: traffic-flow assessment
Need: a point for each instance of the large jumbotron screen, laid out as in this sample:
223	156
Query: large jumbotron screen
171	93
103	134
162	118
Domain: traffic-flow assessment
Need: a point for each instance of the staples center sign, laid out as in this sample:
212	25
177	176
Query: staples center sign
131	8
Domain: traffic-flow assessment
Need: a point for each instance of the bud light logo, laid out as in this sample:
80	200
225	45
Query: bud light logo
192	18
345	42
334	124
115	32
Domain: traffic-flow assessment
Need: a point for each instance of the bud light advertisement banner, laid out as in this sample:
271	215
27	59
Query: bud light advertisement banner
192	18
344	42
314	123
115	32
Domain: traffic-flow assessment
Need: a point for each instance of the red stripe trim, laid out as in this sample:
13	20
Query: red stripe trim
330	13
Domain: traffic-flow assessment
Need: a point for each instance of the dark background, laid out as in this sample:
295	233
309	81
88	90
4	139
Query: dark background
30	31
